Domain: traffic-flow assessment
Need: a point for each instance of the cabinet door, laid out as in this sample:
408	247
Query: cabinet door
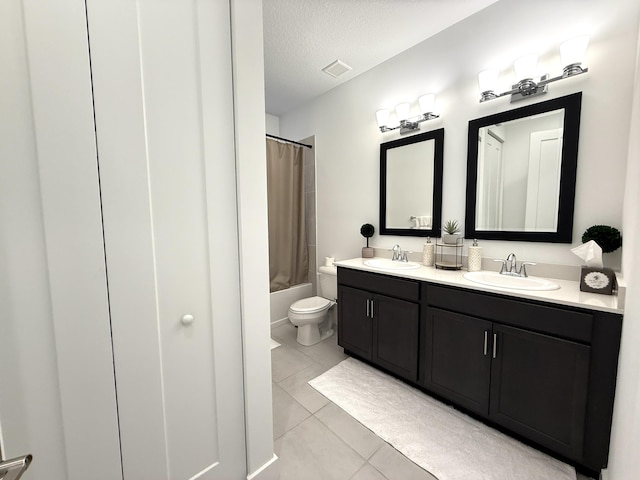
395	335
355	325
457	362
539	388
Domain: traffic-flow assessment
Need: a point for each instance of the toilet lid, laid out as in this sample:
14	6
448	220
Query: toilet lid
310	305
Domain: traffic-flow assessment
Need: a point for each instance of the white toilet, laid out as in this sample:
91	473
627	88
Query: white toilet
311	315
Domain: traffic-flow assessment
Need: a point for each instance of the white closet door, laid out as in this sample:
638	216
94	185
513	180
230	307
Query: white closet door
57	394
543	181
163	104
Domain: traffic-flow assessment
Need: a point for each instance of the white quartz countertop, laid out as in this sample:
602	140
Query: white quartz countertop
569	293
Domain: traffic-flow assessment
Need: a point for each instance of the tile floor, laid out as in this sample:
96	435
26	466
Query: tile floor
314	438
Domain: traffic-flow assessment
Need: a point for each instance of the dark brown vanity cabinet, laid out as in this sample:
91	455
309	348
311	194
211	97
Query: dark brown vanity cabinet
456	363
539	388
531	383
355	325
544	372
379	320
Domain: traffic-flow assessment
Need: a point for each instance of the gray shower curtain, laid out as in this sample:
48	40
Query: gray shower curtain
288	251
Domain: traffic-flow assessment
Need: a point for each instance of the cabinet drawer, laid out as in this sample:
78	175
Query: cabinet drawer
542	318
379	283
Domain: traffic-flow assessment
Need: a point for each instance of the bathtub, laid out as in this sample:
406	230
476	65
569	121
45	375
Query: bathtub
282	300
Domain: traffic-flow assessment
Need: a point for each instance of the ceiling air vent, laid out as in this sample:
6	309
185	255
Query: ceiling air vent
336	68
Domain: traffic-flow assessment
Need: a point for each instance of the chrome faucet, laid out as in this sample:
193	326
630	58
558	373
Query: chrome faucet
398	254
510	266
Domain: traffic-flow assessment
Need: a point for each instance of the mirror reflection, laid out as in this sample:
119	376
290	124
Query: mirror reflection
521	171
409	173
520	194
411	185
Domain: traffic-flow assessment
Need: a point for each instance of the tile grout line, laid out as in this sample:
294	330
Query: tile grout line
324	367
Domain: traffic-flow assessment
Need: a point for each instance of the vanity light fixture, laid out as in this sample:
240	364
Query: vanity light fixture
571	54
403	115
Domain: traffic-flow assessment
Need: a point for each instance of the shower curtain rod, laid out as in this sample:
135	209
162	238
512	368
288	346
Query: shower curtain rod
290	141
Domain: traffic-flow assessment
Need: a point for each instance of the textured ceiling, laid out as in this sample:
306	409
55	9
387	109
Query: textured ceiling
303	36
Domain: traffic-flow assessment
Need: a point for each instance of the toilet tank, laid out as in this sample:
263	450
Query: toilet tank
328	282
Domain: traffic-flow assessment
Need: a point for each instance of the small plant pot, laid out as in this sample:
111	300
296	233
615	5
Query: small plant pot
450	238
367	252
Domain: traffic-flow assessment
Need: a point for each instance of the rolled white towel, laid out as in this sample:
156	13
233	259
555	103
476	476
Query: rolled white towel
425	221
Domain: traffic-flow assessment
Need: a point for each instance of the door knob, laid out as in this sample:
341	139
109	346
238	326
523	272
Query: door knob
14	468
187	320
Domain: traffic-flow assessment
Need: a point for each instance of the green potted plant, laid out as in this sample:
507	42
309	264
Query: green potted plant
367	230
608	238
451	230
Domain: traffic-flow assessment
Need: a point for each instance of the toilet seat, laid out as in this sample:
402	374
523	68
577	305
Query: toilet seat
311	305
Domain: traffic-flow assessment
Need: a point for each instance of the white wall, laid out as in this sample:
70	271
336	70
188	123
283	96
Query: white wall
625	437
248	85
272	124
347	138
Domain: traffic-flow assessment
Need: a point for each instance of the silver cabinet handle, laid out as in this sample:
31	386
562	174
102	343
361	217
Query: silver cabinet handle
368	308
495	344
486	341
371	308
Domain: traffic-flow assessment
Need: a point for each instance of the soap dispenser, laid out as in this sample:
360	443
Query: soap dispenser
427	253
474	258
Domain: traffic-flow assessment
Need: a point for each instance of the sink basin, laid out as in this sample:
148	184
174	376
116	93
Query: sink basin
494	279
386	264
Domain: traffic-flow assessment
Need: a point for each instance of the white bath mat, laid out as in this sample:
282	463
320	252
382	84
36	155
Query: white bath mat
447	443
274	344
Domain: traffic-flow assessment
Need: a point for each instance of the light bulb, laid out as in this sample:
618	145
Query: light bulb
402	111
487	80
427	102
382	117
525	67
572	51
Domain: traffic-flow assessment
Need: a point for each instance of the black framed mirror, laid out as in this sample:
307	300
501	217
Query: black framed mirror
411	185
521	172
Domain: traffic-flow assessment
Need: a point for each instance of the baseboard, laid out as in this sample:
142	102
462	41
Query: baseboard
268	471
280	322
